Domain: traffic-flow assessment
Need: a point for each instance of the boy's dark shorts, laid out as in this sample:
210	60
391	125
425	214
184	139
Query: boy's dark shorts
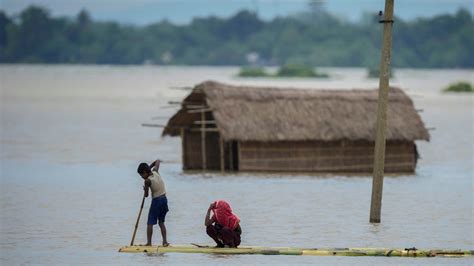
158	210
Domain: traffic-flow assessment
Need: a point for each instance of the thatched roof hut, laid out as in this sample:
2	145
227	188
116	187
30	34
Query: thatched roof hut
267	117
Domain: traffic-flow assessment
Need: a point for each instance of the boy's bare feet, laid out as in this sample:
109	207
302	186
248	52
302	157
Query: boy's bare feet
165	244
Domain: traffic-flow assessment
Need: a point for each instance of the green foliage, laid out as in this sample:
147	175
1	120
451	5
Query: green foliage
315	38
252	72
296	70
460	87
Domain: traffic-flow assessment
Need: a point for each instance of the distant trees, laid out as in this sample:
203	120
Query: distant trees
314	38
4	21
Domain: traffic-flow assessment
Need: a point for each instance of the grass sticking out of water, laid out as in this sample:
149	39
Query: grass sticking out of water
286	71
460	87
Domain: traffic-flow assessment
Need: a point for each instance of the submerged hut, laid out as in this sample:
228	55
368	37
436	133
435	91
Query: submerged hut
243	128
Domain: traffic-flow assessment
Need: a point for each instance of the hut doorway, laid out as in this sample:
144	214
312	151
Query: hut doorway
212	152
232	156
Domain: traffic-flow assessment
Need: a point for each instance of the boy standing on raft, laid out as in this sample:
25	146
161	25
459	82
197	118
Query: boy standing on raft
159	203
223	226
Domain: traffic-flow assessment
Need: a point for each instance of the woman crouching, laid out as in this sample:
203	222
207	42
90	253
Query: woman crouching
223	226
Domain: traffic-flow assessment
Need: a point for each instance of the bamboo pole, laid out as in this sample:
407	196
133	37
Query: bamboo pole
202	129
152	125
239	155
199	111
310	251
203	140
183	148
379	152
138	220
231	157
193	107
205	122
221	142
158	125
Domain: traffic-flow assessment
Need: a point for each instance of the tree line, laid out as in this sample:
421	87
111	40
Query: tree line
314	37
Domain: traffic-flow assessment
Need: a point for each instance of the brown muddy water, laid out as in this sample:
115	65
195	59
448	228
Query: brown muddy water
71	140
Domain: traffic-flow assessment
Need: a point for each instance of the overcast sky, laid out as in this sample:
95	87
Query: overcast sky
182	11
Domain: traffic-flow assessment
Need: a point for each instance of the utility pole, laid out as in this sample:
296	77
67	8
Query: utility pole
379	153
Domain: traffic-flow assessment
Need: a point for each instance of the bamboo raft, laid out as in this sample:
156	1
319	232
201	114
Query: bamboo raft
386	252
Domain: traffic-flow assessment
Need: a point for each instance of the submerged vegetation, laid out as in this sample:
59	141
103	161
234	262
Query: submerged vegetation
294	70
314	37
253	72
290	70
460	87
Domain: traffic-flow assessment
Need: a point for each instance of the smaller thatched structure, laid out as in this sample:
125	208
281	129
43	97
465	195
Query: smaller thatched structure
273	129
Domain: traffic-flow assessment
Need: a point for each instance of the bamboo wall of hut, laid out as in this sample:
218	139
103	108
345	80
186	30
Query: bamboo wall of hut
318	156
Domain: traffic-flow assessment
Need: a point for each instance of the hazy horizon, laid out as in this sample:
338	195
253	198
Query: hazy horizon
144	12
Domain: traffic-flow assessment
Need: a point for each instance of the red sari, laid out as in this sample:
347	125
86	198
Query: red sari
224	216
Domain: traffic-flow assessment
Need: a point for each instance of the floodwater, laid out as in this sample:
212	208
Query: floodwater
71	140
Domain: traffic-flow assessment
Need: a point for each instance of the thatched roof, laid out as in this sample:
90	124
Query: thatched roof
271	114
